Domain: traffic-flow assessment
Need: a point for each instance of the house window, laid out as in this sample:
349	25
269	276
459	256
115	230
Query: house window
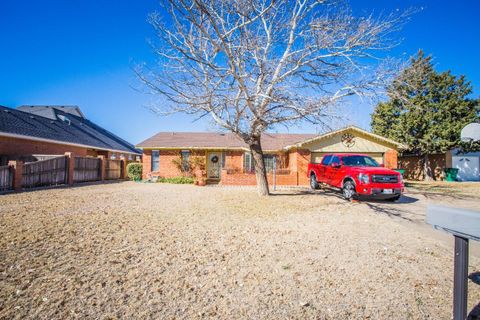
223	160
249	162
185	160
248	165
113	156
155	160
130	157
268	159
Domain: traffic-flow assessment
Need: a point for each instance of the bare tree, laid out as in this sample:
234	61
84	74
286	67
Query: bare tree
255	64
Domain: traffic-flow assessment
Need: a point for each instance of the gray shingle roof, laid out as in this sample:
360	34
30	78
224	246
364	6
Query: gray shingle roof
46	123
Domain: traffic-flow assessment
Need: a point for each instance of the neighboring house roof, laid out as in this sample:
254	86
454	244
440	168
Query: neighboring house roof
270	141
49	111
59	125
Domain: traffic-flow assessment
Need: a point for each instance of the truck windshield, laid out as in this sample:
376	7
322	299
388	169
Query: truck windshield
359	161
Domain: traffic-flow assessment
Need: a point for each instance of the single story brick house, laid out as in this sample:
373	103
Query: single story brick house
29	133
229	162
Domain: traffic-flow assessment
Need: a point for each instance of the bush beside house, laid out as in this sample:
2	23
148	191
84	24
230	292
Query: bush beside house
134	171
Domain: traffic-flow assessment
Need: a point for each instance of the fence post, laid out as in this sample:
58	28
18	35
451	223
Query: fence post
102	167
17	174
70	167
123	170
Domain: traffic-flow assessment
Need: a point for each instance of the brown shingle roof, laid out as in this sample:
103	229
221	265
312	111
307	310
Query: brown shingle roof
200	140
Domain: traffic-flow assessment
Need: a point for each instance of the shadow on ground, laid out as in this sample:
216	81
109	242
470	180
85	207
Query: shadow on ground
320	192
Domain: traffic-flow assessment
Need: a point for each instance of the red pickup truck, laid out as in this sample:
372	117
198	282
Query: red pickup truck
356	175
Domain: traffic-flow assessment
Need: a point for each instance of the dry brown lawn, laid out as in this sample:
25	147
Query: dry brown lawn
466	189
159	251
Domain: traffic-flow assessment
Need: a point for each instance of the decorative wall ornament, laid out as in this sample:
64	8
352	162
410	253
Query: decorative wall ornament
348	140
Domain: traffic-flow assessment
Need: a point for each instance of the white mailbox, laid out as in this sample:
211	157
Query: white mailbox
459	222
464	225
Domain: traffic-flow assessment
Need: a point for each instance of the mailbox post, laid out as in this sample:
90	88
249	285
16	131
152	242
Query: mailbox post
464	225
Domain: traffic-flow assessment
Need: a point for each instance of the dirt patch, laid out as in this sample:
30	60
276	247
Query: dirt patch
134	250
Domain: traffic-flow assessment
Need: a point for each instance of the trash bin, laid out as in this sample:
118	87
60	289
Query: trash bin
451	174
402	171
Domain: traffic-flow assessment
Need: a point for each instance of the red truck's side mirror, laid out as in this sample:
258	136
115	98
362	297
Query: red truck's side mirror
335	165
382	165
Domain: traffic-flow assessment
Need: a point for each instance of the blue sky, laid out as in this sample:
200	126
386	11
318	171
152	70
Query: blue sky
81	52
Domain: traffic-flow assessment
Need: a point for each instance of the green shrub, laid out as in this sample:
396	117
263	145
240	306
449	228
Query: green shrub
134	171
177	180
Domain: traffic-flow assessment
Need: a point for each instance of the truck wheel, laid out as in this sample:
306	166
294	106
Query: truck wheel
348	190
313	182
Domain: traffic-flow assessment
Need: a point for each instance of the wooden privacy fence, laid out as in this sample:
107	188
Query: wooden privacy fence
6	178
86	169
51	172
60	170
113	169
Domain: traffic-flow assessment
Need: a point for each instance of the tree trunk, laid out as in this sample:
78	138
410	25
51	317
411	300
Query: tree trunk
260	172
427	170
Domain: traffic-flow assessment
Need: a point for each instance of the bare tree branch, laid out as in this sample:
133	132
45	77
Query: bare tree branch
254	64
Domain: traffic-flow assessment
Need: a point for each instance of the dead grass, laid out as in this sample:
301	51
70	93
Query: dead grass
467	189
132	250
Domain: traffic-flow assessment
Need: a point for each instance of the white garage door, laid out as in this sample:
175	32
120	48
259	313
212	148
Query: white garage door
317	156
468	167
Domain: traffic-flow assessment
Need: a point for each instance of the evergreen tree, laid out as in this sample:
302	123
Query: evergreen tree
426	110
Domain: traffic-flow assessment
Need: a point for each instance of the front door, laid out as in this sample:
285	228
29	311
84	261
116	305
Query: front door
213	165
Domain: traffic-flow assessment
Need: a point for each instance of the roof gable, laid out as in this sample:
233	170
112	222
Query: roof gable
354	130
50	111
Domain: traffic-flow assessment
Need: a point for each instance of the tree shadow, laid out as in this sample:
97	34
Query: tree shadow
393	212
390	209
475	277
403	200
306	192
474	313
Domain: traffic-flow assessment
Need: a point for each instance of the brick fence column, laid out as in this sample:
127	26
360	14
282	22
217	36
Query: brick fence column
102	167
123	172
70	167
17	174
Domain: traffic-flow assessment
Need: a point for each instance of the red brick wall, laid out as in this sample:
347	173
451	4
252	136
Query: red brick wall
146	163
236	176
303	159
296	161
167	169
234	160
15	148
391	159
